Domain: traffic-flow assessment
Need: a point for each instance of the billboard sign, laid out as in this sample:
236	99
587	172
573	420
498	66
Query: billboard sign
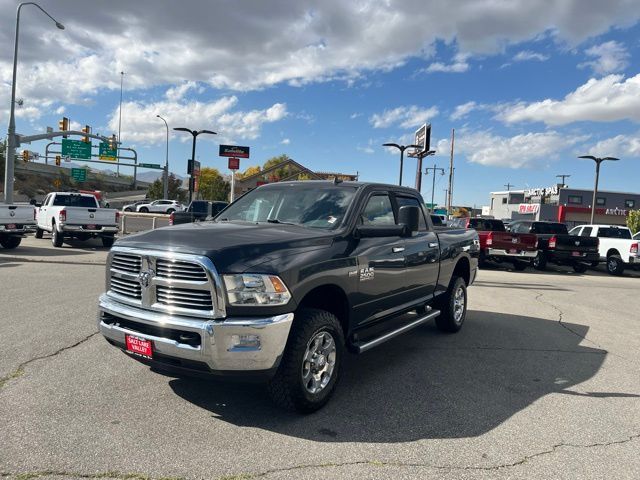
234	164
422	138
234	151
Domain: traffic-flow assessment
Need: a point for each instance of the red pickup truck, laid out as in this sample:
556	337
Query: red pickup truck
498	245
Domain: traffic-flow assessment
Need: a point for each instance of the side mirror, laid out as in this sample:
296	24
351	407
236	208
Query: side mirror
409	217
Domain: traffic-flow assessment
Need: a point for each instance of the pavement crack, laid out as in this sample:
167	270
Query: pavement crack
18	372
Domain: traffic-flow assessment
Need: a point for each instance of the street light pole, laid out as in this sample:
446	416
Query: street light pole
598	161
433	181
402	148
165	179
11	131
195	134
119	121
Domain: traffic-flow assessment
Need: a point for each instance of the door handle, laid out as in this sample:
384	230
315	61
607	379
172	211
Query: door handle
397	249
433	245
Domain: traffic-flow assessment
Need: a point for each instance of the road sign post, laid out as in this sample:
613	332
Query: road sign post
234	164
79	174
157	166
106	153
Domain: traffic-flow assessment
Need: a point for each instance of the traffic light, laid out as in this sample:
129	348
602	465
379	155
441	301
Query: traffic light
63	125
85	130
113	142
25	155
58	160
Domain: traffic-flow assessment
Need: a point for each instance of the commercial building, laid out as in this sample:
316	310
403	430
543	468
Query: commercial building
560	203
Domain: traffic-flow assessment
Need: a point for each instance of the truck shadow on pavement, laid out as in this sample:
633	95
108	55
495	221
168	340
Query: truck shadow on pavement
425	384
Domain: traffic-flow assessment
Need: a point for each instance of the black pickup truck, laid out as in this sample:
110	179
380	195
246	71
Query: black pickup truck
555	245
197	211
284	281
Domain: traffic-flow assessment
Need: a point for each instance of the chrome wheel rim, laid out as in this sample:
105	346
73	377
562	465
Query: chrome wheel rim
458	305
612	265
319	362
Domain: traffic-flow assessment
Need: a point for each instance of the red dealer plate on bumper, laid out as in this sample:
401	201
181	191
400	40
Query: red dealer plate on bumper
139	346
11	226
576	254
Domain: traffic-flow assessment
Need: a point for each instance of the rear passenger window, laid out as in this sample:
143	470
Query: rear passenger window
402	201
586	232
378	211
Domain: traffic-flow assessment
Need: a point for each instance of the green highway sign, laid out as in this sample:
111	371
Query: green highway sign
76	149
106	153
79	174
150	165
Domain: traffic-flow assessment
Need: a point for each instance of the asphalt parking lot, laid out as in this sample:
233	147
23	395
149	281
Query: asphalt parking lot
542	382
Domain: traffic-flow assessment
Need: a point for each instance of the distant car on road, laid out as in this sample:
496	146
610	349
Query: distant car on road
198	211
15	221
133	207
161	206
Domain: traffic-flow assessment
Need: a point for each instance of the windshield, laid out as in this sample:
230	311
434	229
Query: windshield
547	228
74	201
320	207
487	225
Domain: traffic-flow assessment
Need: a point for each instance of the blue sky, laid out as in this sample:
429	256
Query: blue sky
527	88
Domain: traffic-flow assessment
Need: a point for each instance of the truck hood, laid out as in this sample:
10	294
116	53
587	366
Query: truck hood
233	247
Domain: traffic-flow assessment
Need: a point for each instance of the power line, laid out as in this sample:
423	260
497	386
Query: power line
508	186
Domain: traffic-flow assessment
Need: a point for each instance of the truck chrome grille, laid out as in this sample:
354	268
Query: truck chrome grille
175	283
126	263
180	270
184	298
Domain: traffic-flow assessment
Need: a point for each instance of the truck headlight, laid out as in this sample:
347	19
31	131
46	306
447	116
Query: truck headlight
256	289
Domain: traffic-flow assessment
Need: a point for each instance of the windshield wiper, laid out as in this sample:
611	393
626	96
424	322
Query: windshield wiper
275	220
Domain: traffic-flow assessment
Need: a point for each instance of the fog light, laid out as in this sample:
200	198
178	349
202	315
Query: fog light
245	341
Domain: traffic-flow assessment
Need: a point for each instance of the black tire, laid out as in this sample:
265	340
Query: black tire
519	266
615	265
107	241
451	318
144	210
39	232
579	267
540	261
128	209
10	242
287	388
57	238
170	211
482	260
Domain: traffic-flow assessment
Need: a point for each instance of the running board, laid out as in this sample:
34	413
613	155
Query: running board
364	346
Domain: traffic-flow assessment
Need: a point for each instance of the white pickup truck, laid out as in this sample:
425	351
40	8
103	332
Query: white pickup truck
77	215
15	221
617	246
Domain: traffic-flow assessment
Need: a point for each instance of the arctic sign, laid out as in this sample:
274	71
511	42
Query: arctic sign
538	192
234	151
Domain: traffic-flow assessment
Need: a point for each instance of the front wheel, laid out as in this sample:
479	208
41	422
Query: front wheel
310	366
144	210
10	242
128	209
171	210
453	307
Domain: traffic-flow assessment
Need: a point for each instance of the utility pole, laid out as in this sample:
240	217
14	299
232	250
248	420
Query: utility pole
563	177
508	186
450	189
420	156
434	169
120	120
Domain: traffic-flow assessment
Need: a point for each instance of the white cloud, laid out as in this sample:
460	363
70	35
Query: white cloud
463	110
176	93
355	115
404	117
140	125
619	146
281	41
526	150
460	64
285	141
607	99
609	57
526	55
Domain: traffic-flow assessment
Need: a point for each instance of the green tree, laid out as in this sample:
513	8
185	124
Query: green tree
248	172
282	172
176	192
633	221
213	186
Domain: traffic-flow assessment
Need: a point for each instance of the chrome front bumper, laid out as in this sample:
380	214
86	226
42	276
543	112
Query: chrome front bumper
221	346
495	252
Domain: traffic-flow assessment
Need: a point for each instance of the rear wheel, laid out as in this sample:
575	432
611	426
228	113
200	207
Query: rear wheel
39	232
144	210
615	265
10	242
107	241
453	307
171	210
310	366
579	267
57	238
540	261
128	209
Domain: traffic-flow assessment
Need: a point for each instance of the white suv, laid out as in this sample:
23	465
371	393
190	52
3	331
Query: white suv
160	206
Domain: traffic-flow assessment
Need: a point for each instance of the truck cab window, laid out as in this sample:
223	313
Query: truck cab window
378	211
